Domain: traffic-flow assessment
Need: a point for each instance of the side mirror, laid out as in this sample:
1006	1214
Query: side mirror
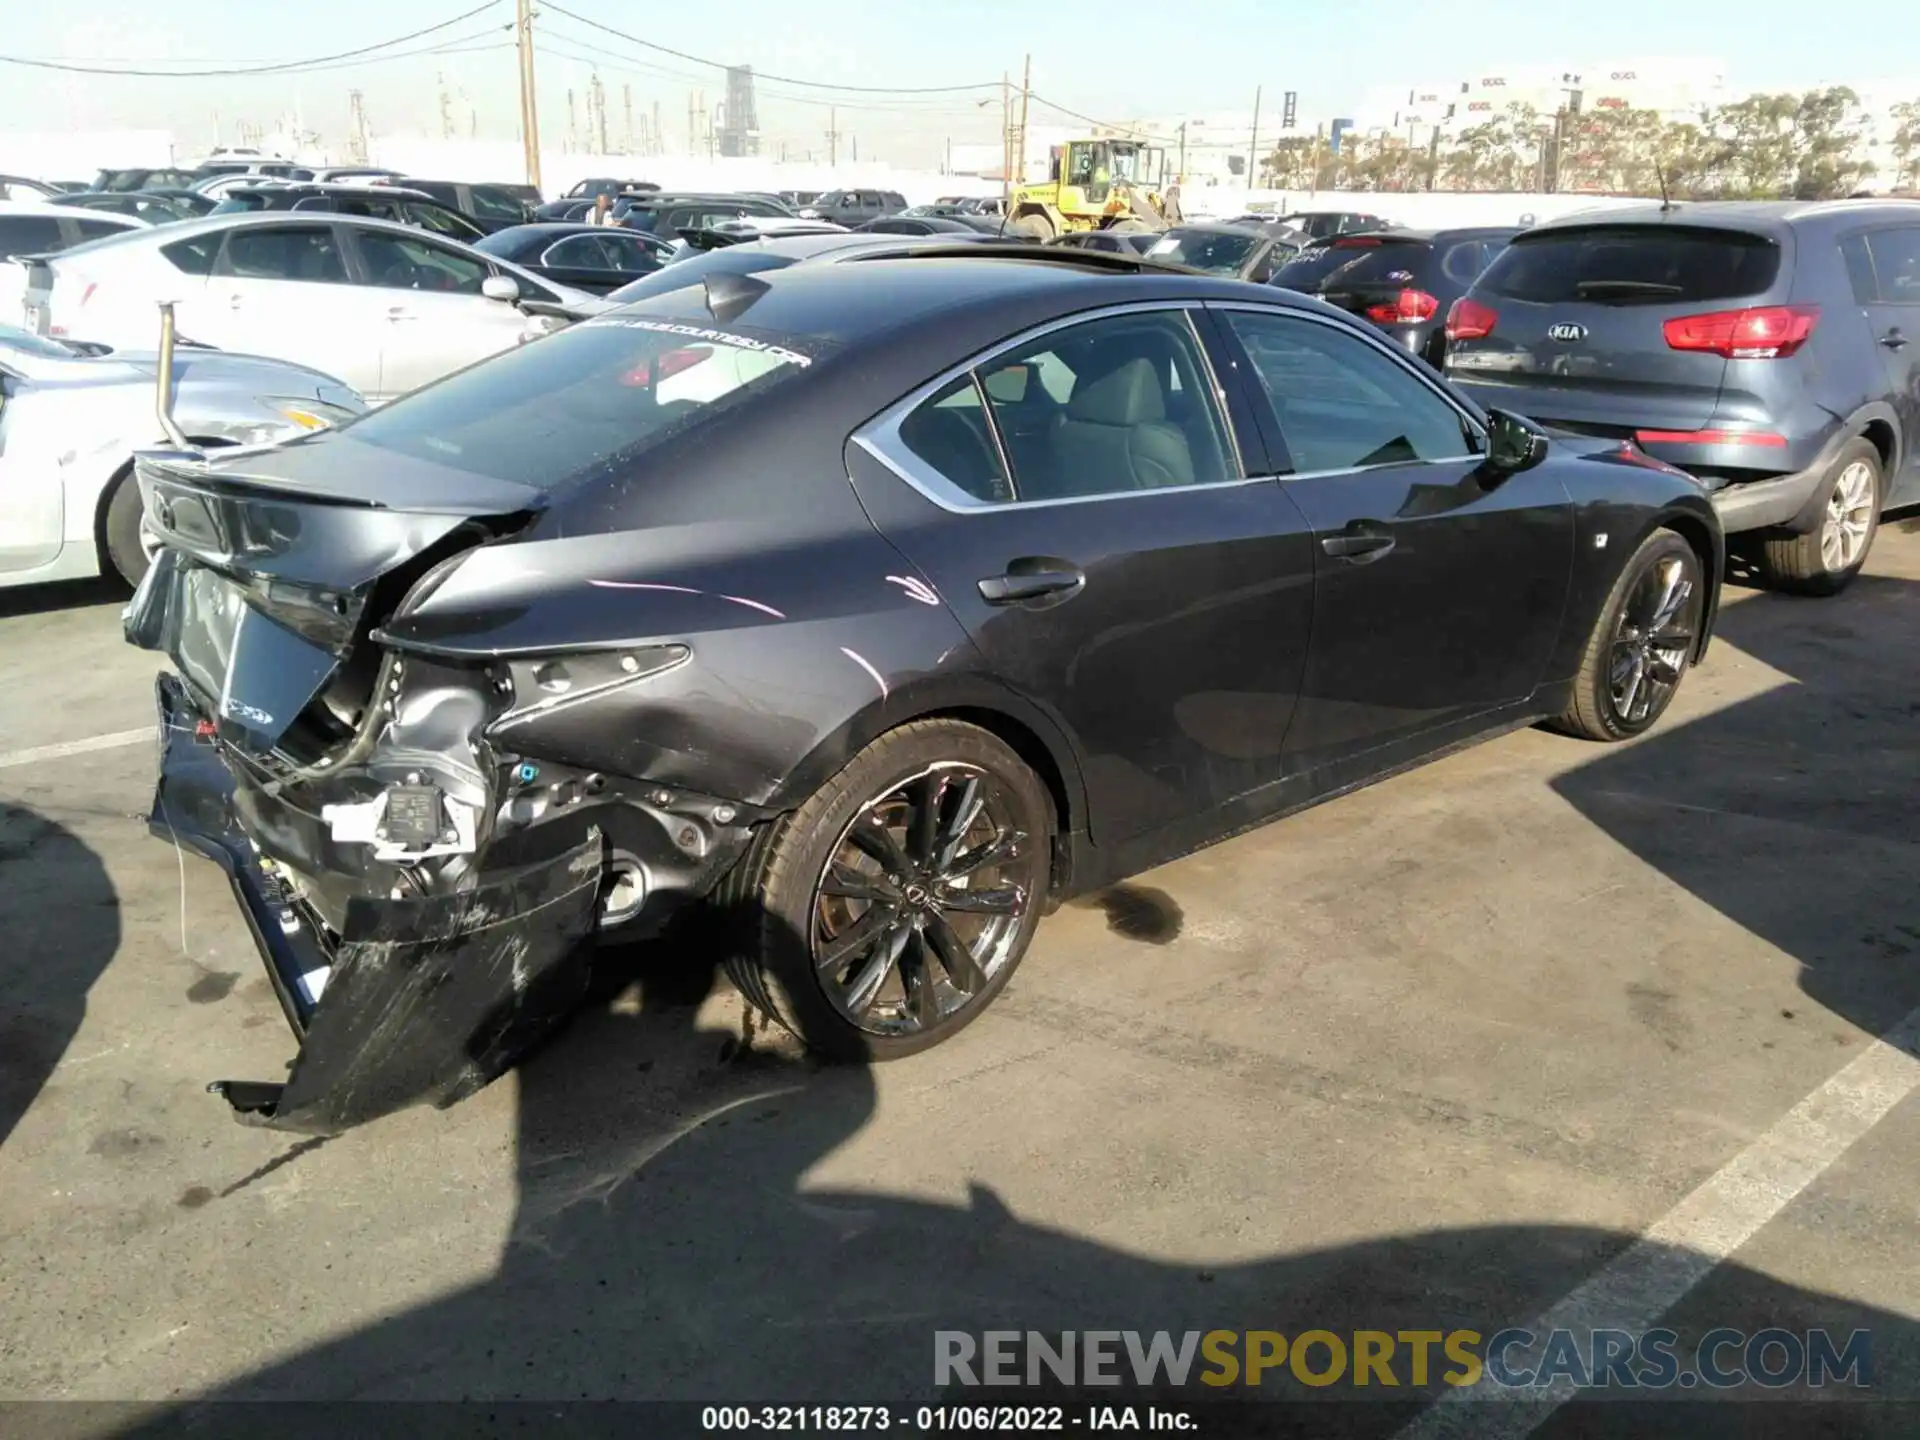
1514	443
503	288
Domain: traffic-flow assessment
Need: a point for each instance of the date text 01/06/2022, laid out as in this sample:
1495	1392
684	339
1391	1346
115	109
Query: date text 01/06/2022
975	1419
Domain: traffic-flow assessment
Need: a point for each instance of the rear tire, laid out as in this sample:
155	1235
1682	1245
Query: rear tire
1825	559
1627	677
121	531
844	916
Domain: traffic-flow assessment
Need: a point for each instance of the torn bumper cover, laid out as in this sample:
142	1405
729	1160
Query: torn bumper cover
415	1000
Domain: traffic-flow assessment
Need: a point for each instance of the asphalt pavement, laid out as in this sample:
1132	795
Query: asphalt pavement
1545	1029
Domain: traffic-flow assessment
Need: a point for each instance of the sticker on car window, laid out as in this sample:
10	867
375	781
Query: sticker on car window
695	332
1400	276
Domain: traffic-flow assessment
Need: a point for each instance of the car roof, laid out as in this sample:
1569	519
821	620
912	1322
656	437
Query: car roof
555	228
929	288
252	219
331	187
1218	227
1752	216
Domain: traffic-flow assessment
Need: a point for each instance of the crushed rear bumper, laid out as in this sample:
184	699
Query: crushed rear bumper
412	1000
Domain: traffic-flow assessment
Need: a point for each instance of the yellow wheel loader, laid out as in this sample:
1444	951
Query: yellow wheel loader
1093	185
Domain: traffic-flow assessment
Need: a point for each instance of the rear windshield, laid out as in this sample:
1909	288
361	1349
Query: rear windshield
1307	269
1218	252
607	388
1633	265
1391	264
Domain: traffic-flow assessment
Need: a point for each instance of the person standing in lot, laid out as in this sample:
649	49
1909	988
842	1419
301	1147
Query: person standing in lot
602	212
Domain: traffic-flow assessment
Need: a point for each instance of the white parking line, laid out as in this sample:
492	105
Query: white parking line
1684	1245
75	747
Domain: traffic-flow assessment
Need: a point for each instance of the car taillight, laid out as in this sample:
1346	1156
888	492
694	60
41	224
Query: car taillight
1470	320
1405	308
1766	332
1766	439
1356	242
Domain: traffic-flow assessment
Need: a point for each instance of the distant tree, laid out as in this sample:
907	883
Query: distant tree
1291	164
1757	151
1612	151
1904	145
1502	153
1829	133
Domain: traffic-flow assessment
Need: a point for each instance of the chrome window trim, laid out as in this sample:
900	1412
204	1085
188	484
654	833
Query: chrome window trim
546	255
1472	423
880	436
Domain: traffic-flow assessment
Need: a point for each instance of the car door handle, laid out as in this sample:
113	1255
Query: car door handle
1361	543
1033	578
1894	340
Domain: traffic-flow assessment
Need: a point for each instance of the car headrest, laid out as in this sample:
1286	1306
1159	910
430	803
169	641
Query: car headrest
1130	394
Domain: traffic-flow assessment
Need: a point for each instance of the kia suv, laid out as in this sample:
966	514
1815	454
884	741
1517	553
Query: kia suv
1766	348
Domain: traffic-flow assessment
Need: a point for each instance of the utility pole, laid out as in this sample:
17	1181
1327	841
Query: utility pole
1026	89
446	109
599	93
1253	142
833	139
1181	173
529	107
1006	144
626	101
357	110
657	141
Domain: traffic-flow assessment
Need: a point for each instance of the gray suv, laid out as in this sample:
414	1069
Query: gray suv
1770	349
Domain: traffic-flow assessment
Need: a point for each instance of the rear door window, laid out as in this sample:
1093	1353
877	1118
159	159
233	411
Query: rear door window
578	252
1465	259
493	204
1633	265
1896	264
95	229
195	256
294	252
1853	250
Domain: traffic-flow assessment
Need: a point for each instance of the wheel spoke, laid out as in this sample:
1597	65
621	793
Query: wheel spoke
1674	637
956	957
855	940
851	884
1635	678
963	807
873	837
1001	847
1674	594
865	988
1663	671
924	827
923	990
982	902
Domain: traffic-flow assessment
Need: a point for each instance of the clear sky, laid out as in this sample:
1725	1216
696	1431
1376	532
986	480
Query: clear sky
1107	58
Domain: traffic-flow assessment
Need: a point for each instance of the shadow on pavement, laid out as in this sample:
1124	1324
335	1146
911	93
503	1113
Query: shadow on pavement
61	921
670	1245
1792	812
63	595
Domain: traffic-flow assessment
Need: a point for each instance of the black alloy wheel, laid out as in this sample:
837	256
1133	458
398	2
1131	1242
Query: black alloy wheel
1641	644
921	900
887	911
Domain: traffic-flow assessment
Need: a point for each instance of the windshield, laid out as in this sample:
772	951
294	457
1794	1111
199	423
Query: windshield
599	391
1218	252
1129	164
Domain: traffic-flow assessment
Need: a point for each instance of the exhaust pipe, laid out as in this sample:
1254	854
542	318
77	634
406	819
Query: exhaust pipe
163	400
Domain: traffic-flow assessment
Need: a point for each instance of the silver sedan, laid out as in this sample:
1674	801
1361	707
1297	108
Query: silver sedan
72	414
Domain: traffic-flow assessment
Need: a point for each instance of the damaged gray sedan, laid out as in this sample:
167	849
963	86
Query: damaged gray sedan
876	606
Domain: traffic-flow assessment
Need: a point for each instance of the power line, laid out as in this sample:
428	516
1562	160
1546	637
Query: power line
760	75
566	46
1040	99
279	68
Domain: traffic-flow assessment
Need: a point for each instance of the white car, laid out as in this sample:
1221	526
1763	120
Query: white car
71	418
383	306
34	227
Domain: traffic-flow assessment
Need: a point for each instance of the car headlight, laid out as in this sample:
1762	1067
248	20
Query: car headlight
310	414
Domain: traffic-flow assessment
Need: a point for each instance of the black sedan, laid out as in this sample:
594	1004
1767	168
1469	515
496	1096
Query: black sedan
871	607
594	258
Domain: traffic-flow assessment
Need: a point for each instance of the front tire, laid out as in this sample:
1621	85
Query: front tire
1641	643
1034	225
887	911
1825	559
